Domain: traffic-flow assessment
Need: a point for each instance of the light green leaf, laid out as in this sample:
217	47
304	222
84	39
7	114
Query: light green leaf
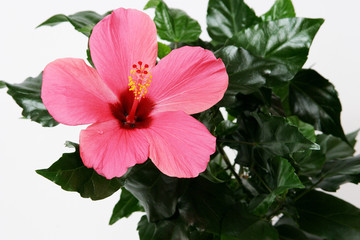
163	50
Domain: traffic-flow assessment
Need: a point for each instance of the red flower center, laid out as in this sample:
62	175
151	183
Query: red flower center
133	109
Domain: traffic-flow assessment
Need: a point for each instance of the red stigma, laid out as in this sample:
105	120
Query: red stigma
146	66
140	63
138	71
145	72
134	66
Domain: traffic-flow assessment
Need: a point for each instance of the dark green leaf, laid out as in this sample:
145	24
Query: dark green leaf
173	229
163	50
282	178
205	203
241	225
82	21
70	173
152	4
227	17
146	229
286	41
276	136
28	96
333	147
310	163
328	216
305	129
156	192
2	84
247	73
288	232
210	118
216	170
125	207
175	25
345	166
351	137
225	127
314	100
280	9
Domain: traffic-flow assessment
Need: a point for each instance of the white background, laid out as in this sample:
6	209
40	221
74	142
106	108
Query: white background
32	207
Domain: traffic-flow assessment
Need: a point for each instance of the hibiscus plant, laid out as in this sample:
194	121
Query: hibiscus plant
226	139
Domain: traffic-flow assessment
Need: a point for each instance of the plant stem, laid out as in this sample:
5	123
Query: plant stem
228	163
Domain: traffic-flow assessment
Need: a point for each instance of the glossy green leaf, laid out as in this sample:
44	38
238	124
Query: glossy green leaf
242	225
333	147
70	173
227	17
328	216
278	137
290	46
310	163
314	100
157	193
163	50
82	21
247	73
28	96
345	166
125	207
175	25
280	9
282	178
152	4
305	129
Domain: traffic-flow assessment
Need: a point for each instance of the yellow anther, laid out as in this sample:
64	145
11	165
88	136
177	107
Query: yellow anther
139	80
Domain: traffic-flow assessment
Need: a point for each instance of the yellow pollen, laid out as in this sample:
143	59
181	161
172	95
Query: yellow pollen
139	80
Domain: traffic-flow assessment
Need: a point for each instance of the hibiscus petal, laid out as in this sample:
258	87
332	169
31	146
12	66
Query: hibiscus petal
111	150
180	146
189	79
120	40
74	94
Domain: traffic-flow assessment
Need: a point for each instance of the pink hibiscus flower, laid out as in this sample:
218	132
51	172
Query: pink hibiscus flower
137	110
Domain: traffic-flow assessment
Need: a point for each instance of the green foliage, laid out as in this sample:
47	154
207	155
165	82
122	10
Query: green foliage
28	96
175	25
82	21
227	17
280	9
328	216
314	100
290	48
273	106
70	173
125	207
163	50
